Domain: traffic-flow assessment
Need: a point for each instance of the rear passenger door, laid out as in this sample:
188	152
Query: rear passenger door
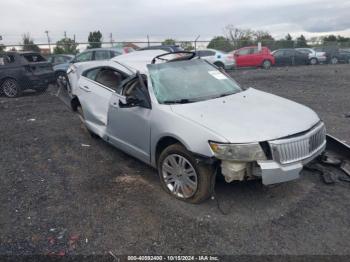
96	87
241	57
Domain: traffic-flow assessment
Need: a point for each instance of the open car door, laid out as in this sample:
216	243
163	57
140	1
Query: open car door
129	117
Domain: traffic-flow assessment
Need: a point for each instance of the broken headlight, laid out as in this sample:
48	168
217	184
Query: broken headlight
239	152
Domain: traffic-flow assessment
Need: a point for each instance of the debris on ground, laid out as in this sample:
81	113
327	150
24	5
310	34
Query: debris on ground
31	120
85	145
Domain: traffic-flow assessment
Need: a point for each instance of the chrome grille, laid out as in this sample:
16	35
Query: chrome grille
297	148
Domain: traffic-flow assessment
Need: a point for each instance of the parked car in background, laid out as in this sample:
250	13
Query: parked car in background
24	70
85	56
332	53
344	56
218	58
59	59
290	57
189	120
314	57
167	48
251	56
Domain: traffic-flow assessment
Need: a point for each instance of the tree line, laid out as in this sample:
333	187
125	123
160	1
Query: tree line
232	39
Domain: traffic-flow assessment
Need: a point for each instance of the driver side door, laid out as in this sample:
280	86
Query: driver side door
129	124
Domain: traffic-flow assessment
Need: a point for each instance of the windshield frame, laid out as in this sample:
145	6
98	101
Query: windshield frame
197	99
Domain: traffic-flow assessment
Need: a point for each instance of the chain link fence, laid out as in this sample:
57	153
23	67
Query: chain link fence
226	45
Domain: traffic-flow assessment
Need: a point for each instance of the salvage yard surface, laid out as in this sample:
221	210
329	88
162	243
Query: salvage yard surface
64	192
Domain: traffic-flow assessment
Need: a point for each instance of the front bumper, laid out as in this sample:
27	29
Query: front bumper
273	172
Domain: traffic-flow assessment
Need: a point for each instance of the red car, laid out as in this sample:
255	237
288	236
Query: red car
251	56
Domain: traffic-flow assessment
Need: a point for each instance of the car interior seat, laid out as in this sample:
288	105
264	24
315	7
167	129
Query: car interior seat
109	78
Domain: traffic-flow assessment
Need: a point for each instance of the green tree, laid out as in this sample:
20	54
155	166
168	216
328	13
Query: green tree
169	41
95	39
187	46
301	41
28	43
2	47
329	38
65	46
288	37
220	43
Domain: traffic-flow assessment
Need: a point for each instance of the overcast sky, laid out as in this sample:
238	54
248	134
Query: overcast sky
179	19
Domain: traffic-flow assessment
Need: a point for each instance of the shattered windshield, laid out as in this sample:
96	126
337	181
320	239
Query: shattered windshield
189	81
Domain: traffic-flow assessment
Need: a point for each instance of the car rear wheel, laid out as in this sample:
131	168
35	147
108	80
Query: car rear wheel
313	61
182	177
10	88
266	64
334	60
219	65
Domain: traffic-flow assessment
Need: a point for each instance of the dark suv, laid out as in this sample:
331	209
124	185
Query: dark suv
24	70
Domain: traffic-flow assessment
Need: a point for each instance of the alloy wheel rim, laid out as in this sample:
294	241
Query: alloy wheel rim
9	88
266	64
179	176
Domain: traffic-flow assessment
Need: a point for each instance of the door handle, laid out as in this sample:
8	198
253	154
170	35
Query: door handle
85	88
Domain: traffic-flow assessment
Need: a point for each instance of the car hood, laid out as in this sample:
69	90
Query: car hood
249	116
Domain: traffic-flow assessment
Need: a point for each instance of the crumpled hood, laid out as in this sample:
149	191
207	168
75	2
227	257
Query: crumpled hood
250	116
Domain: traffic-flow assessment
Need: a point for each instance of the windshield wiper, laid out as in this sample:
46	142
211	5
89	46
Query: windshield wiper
179	101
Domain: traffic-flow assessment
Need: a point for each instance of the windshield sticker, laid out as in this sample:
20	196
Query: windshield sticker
217	75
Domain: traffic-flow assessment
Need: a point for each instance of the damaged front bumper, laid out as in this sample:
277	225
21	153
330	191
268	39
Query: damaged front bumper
273	172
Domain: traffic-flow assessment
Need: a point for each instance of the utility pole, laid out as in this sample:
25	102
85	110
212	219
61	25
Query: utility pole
195	43
48	40
148	40
65	34
111	39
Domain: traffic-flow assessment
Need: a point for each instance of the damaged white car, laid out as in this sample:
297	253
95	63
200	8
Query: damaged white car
191	121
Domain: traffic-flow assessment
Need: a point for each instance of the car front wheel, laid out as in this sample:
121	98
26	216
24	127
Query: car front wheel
182	177
334	60
313	61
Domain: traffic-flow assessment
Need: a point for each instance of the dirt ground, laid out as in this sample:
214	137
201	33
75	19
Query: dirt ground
64	192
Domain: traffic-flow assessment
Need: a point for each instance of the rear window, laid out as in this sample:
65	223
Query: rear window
6	59
33	58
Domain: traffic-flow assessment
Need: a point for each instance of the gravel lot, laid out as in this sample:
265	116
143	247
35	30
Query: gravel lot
64	192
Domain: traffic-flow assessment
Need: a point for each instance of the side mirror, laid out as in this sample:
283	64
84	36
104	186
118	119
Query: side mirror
130	102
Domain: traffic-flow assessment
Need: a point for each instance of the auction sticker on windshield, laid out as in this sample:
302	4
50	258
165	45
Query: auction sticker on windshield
217	75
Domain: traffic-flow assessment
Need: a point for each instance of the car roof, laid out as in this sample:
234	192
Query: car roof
102	48
138	61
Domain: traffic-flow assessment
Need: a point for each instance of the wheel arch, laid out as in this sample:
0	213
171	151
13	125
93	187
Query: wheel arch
2	80
163	143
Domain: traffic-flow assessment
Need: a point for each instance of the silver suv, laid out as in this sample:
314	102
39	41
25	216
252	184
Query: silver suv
192	121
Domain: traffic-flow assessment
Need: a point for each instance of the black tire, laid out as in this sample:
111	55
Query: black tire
10	88
61	79
219	65
313	61
204	173
349	61
266	64
334	60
